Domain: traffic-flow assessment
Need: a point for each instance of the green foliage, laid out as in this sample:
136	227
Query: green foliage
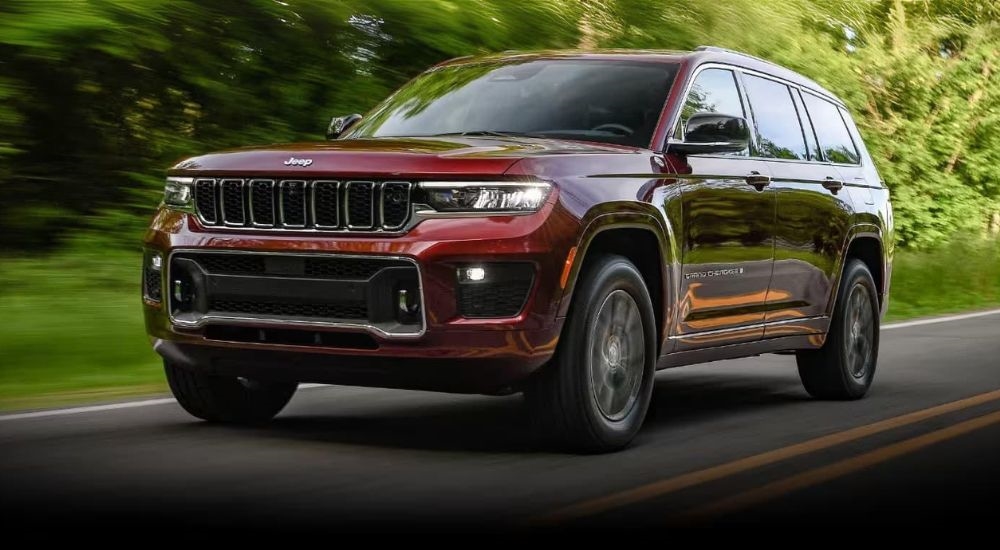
921	287
97	97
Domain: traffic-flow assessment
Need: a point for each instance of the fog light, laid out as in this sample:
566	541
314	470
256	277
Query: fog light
156	262
473	274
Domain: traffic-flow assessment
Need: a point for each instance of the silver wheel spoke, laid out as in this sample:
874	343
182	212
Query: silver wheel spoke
617	355
858	331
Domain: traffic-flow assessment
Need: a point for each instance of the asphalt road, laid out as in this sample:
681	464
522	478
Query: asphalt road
728	442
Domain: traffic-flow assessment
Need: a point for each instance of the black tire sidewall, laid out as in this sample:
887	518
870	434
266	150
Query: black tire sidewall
609	274
855	274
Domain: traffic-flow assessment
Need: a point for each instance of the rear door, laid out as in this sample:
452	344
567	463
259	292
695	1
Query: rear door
813	209
728	230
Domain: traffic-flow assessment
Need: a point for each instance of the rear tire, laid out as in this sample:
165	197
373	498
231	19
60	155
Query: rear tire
843	369
594	394
227	399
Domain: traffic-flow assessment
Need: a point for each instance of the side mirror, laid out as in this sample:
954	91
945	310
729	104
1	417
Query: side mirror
339	125
707	133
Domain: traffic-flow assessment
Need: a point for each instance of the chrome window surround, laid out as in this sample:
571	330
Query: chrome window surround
744	70
264	322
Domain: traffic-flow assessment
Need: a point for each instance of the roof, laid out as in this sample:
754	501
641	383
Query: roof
702	54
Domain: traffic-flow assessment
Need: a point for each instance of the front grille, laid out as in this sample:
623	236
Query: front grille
262	203
360	291
360	204
322	267
244	307
322	205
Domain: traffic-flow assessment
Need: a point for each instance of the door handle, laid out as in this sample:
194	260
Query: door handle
833	185
758	180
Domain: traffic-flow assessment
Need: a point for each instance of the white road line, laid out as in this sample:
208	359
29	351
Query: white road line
937	320
151	402
109	407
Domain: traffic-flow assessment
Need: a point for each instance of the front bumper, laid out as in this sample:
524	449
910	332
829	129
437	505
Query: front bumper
451	353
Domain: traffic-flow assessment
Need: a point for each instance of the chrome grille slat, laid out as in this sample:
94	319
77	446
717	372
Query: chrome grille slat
361	206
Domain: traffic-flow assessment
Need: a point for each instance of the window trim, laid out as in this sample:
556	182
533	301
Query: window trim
740	71
802	130
850	135
806	118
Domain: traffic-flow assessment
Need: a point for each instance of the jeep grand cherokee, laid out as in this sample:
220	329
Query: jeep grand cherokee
562	224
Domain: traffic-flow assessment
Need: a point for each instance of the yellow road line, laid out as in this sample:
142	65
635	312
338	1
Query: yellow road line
823	474
665	486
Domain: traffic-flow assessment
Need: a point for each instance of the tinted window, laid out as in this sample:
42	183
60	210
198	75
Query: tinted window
806	127
606	101
834	139
777	121
713	91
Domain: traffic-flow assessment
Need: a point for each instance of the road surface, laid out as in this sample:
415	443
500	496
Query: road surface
728	442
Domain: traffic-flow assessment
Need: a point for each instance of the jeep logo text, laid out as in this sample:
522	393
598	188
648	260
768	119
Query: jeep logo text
298	162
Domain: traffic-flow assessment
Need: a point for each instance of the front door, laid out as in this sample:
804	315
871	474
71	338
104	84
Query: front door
727	213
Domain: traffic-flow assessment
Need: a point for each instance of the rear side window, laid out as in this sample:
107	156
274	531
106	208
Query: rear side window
777	122
713	91
834	138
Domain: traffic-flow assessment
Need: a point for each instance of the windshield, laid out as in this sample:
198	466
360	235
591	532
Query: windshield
616	102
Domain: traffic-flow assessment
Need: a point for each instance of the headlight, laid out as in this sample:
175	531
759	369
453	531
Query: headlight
485	196
177	193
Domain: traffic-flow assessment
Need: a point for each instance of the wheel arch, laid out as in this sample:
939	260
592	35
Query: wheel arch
633	235
864	242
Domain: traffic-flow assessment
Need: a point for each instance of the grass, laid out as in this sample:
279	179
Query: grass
72	328
962	276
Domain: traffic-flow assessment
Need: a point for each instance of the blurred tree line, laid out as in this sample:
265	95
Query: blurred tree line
97	97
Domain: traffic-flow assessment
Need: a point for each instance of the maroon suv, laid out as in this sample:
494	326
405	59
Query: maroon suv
561	224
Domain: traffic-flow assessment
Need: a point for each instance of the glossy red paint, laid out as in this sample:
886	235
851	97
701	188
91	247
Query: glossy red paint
684	205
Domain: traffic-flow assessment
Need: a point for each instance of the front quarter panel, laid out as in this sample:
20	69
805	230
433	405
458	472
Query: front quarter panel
619	191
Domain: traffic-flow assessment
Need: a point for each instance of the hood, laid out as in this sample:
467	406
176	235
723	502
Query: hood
387	156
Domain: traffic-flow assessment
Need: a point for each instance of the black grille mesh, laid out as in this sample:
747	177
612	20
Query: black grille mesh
502	294
232	202
235	264
359	204
293	203
326	311
151	284
312	266
326	203
395	203
204	197
262	202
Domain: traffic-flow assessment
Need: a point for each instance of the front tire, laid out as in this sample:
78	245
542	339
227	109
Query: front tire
594	394
843	369
227	399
